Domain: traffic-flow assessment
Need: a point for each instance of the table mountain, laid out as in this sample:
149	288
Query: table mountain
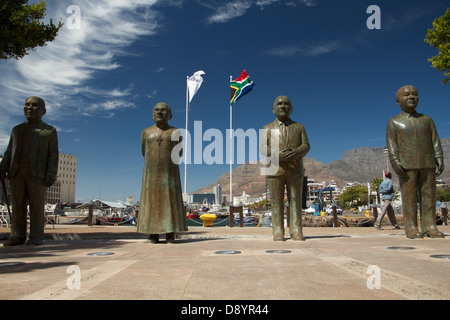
361	164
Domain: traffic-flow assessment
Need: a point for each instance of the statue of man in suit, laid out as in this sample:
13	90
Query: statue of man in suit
31	164
288	153
416	156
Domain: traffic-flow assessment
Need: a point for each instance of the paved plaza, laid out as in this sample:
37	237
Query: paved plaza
115	263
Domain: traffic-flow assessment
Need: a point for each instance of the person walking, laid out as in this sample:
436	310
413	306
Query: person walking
387	194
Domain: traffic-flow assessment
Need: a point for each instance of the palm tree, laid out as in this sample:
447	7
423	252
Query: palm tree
375	184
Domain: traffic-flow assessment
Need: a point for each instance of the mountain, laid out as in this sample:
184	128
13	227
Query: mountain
361	164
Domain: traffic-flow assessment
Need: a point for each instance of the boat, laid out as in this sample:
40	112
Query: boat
205	205
247	219
329	210
115	219
71	219
192	215
83	213
310	210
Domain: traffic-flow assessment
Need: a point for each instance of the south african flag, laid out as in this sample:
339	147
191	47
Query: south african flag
240	87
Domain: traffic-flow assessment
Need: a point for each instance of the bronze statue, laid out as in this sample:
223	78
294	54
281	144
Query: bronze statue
161	208
31	164
293	145
416	156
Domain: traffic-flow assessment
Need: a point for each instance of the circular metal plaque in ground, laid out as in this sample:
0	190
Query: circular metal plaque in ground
11	264
100	254
441	256
401	248
228	252
278	251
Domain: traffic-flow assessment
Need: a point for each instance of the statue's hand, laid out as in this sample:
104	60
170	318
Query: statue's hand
399	170
440	167
291	155
2	175
49	181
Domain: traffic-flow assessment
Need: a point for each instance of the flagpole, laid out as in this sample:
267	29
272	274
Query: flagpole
185	138
231	150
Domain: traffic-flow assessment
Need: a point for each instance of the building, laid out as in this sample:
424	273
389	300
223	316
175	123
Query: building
351	184
217	190
53	195
335	194
63	190
312	191
67	176
200	198
245	200
241	200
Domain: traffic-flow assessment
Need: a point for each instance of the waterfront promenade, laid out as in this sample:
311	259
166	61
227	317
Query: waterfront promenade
116	263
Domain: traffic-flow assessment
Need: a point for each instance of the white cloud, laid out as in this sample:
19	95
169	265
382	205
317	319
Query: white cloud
308	3
236	8
229	11
308	51
291	3
61	71
152	95
263	3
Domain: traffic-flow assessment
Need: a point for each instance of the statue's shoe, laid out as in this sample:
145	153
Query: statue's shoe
414	234
33	241
13	241
298	237
278	237
434	233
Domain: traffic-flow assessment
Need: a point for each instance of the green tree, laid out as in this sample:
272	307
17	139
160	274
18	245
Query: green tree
439	37
443	194
356	195
260	205
21	29
375	185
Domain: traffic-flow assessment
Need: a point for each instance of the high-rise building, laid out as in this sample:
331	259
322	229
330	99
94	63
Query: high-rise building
67	175
63	190
217	190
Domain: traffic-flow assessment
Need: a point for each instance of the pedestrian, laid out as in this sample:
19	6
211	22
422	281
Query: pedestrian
387	194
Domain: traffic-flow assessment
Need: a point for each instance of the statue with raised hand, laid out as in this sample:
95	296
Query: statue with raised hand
287	152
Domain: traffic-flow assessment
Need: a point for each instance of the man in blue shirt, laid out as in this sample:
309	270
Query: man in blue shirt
387	194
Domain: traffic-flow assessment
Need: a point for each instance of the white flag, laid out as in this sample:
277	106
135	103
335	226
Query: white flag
194	83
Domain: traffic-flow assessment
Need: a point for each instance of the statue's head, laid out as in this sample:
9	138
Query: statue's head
407	98
34	109
162	113
282	108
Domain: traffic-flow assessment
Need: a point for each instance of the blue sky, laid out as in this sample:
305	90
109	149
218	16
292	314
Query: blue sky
101	81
